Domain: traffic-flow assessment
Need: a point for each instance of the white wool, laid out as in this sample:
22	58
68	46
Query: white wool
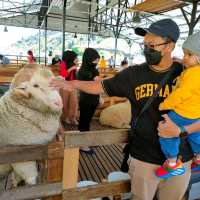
117	115
29	116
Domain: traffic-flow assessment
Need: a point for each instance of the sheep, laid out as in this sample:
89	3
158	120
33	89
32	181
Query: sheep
29	115
117	115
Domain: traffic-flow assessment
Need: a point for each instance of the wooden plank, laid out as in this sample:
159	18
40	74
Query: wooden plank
96	167
55	166
104	161
23	153
85	169
91	168
54	174
32	192
101	168
94	138
82	174
109	150
70	168
56	150
157	6
6	79
118	154
109	158
100	190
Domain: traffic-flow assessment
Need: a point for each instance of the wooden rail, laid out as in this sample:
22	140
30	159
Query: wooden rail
95	138
12	154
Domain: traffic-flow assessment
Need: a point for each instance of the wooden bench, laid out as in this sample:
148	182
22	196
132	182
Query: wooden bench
7	72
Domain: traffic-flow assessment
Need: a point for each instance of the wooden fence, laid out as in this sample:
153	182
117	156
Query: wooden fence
69	151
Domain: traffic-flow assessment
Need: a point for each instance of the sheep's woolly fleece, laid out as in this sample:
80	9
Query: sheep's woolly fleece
29	114
118	115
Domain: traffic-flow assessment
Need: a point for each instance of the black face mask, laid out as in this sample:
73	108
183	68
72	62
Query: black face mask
153	57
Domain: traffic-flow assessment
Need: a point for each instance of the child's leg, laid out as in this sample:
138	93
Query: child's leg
172	166
194	140
170	148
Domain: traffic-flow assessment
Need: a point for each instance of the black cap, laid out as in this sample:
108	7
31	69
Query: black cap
164	28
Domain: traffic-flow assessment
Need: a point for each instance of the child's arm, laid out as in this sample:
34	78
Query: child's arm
189	82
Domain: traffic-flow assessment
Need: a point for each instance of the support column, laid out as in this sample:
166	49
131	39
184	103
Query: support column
39	43
89	24
63	25
45	42
115	54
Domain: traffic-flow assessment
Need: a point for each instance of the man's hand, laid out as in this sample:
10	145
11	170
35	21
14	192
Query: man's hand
61	84
167	128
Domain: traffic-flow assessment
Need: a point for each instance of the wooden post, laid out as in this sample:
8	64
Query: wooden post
55	166
70	168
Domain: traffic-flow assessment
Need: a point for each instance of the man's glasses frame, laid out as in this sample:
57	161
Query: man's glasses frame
151	46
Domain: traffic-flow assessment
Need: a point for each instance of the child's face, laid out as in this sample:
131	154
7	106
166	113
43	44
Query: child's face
189	58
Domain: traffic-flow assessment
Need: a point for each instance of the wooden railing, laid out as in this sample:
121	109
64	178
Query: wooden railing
69	151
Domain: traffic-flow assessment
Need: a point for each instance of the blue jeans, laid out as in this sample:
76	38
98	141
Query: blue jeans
170	146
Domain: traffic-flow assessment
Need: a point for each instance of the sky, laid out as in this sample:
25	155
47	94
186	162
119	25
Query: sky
13	35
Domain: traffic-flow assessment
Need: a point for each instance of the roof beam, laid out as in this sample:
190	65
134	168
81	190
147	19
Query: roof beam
43	11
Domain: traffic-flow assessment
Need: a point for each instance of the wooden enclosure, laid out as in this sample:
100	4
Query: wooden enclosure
70	154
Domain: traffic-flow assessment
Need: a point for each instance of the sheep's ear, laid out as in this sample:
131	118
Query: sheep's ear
21	92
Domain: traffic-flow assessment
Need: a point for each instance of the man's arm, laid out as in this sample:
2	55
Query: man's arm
92	87
167	128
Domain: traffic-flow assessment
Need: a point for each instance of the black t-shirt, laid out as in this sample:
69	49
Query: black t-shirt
138	83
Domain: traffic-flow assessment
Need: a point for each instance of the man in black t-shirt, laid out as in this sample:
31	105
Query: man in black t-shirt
138	83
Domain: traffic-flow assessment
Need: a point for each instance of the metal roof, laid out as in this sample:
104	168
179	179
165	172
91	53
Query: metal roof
98	17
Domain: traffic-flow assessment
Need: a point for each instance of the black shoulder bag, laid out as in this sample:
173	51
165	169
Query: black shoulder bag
126	150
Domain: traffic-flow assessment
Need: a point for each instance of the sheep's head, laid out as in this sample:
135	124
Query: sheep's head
30	87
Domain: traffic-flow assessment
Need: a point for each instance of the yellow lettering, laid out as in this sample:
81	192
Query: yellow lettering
166	92
149	90
155	86
137	93
142	91
160	92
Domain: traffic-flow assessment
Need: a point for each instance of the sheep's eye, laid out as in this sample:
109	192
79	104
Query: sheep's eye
36	85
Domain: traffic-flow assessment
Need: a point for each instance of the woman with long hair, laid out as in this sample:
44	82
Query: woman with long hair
88	102
68	67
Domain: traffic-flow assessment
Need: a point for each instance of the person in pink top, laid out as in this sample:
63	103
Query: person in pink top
68	68
30	57
68	65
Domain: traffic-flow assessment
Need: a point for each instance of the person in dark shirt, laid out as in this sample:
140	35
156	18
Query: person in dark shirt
138	83
88	102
